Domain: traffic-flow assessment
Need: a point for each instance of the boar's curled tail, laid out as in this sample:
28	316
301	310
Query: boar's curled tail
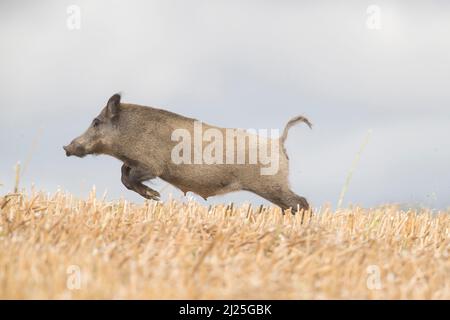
290	123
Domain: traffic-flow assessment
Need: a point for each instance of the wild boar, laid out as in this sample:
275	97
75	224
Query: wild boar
147	141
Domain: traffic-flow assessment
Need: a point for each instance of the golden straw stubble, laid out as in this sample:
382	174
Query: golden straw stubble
59	247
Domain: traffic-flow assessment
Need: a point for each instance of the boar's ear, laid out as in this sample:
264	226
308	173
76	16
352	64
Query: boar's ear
113	105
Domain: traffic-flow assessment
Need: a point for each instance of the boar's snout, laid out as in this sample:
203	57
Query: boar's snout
67	150
74	149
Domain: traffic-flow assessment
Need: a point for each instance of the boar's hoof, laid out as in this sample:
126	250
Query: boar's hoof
151	194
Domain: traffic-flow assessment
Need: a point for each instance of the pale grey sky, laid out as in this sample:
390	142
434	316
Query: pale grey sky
241	64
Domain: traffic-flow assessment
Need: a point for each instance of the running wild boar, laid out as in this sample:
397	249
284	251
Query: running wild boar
188	154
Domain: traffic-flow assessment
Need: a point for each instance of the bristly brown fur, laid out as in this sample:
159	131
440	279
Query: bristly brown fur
141	137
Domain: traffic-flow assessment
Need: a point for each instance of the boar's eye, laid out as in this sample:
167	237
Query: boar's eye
95	122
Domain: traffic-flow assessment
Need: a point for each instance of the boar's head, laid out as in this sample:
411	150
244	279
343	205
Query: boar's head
99	137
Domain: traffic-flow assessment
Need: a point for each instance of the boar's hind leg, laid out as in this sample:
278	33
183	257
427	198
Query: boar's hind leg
295	201
282	197
132	179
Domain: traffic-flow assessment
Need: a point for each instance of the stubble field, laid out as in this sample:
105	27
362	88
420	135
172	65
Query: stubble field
59	247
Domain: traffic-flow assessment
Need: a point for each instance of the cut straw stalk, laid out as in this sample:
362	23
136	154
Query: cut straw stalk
352	168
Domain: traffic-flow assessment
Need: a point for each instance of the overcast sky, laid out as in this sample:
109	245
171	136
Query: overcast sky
247	64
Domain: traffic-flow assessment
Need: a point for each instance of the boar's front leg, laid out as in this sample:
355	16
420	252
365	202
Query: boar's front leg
132	179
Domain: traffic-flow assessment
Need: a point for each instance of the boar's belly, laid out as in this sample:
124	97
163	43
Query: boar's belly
206	182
